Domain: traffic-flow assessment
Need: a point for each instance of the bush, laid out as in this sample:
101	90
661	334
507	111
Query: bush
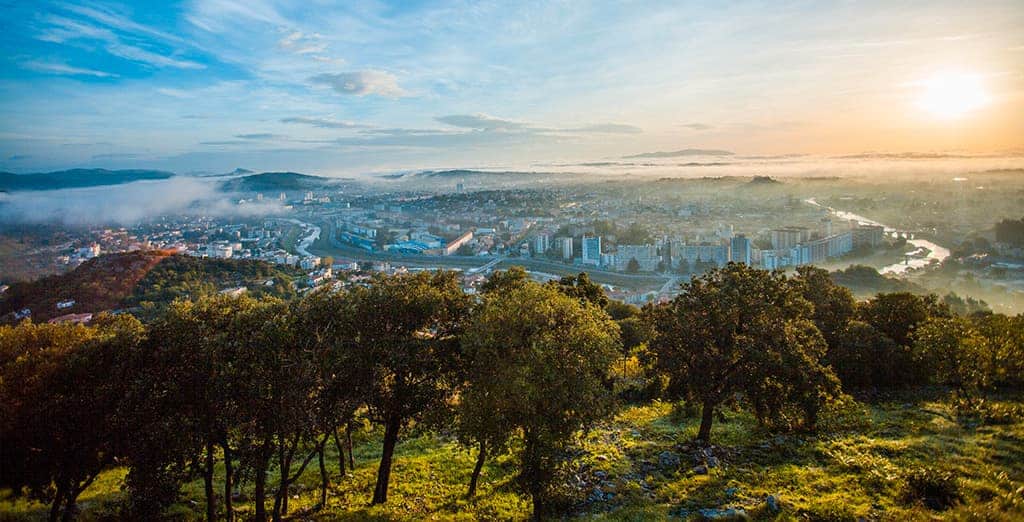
937	489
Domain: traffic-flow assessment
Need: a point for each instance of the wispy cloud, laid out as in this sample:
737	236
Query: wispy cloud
362	83
260	136
65	69
606	128
479	122
324	123
696	126
138	54
114	30
300	43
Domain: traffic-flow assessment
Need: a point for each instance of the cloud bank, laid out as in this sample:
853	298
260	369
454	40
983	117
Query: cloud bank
127	204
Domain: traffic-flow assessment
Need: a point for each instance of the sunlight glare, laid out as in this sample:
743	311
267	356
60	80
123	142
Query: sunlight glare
952	95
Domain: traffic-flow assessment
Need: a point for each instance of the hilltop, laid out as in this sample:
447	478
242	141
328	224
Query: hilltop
275	181
76	178
144	281
682	153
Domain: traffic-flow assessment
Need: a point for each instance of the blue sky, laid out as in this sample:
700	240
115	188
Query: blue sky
342	87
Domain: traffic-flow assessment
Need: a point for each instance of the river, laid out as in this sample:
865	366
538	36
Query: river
926	253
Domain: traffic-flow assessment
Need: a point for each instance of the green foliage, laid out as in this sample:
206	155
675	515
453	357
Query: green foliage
60	396
743	330
582	288
538	366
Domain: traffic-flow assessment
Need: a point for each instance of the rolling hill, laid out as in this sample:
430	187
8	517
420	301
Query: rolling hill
76	178
275	181
144	282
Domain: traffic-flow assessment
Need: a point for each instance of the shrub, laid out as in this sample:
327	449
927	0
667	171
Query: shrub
937	489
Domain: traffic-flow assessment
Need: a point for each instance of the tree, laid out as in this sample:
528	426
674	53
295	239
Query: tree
273	378
834	305
633	266
505	280
955	355
403	333
861	357
582	288
187	378
896	316
736	330
323	318
538	365
60	396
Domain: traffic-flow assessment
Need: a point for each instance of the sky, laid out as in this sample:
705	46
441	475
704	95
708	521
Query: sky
345	87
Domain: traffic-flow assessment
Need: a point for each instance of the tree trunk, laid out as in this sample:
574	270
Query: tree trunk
211	496
260	492
58	501
323	475
284	468
538	507
70	507
380	492
480	457
348	434
706	417
341	453
229	512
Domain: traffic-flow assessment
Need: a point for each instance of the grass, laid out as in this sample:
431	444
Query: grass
855	468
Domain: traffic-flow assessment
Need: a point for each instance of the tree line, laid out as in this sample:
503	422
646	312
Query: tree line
258	388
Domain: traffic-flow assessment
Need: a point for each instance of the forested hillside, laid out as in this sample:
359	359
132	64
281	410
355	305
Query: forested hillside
147	281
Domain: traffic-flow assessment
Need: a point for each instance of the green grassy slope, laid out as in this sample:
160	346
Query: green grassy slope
854	468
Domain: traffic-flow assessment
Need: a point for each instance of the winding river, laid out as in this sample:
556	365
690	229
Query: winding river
925	254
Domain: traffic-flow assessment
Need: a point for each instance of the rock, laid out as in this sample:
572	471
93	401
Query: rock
668	460
723	514
701	470
731	492
773	503
601	458
712	462
600	474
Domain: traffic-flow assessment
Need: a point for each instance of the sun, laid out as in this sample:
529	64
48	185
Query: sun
952	95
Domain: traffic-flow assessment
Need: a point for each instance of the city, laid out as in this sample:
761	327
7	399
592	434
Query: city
558	260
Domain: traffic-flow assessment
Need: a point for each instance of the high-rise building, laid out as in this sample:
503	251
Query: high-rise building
591	250
566	244
646	256
825	227
740	250
540	244
717	254
789	237
868	235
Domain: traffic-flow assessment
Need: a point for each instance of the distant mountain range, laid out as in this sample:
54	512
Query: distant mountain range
682	153
276	181
76	178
